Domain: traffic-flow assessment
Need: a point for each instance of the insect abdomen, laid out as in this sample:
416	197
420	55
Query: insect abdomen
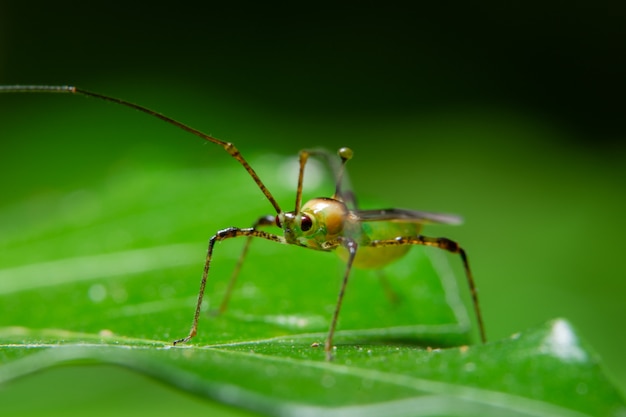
378	257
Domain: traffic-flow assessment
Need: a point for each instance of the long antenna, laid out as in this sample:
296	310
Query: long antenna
228	147
345	154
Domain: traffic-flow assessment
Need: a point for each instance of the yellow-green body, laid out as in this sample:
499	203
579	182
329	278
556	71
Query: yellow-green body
378	257
328	221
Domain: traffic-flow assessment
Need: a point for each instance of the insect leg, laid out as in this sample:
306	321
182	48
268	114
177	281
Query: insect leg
223	234
390	293
351	246
450	246
263	221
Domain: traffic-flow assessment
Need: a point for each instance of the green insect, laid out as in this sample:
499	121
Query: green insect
362	238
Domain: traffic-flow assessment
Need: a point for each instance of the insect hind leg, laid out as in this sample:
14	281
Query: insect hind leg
450	246
391	294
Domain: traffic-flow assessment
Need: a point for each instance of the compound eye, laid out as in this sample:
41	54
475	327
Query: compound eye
306	223
277	221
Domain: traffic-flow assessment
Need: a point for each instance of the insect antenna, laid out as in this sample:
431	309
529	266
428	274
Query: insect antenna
338	170
228	147
345	154
304	156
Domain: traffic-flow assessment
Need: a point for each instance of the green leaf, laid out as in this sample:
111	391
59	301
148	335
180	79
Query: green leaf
109	275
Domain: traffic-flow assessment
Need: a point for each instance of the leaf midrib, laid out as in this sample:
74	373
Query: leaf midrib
472	394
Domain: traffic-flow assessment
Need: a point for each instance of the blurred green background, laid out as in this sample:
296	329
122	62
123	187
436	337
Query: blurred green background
509	114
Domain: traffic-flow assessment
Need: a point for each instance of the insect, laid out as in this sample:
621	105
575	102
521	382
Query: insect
362	238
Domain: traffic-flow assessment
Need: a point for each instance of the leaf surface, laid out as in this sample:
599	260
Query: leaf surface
109	275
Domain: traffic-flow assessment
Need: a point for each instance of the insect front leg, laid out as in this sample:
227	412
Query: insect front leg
450	246
262	221
351	246
223	234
